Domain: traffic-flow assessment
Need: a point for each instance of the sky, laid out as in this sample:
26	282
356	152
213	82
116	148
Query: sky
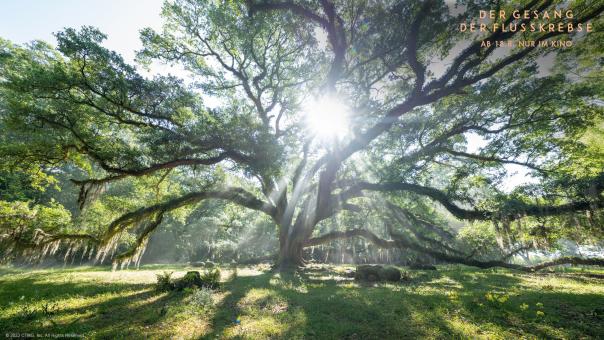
22	21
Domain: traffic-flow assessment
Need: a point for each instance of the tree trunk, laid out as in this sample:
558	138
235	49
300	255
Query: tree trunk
292	241
291	246
290	255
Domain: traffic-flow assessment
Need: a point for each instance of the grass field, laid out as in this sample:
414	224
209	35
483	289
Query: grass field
453	302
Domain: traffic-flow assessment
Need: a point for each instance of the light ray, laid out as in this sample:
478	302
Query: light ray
327	119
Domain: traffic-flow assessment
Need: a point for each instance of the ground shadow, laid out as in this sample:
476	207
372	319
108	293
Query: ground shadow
329	307
429	304
316	303
103	310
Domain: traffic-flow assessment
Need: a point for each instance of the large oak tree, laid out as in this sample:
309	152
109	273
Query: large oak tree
415	89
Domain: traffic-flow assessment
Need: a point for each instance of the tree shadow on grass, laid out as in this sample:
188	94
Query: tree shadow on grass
105	310
228	310
565	314
578	276
314	303
445	304
319	308
36	286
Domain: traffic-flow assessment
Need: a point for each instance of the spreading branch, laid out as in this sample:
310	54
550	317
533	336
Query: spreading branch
469	214
401	243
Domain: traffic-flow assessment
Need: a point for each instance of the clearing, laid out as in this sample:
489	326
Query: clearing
320	302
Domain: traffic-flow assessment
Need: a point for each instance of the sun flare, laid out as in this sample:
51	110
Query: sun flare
327	118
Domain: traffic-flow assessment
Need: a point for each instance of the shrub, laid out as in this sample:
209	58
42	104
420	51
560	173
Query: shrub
190	280
164	282
374	273
367	273
390	274
211	278
202	297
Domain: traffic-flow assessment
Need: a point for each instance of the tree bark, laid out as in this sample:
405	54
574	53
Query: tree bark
291	246
290	255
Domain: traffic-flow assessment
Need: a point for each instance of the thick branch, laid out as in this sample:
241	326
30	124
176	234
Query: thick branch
398	242
236	195
88	185
337	235
425	97
418	68
135	252
332	23
457	211
493	159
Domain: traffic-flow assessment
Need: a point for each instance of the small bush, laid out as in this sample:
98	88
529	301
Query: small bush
389	273
190	280
202	297
374	273
211	278
164	282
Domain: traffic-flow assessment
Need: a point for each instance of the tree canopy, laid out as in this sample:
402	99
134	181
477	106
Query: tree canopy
415	92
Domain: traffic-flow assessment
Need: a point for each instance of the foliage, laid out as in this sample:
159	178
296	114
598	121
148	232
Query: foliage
52	217
190	280
377	273
149	153
211	278
482	237
202	297
22	222
164	281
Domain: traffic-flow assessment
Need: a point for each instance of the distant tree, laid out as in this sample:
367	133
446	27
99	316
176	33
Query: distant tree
414	87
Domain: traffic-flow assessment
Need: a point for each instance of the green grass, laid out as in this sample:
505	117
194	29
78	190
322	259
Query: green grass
453	302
